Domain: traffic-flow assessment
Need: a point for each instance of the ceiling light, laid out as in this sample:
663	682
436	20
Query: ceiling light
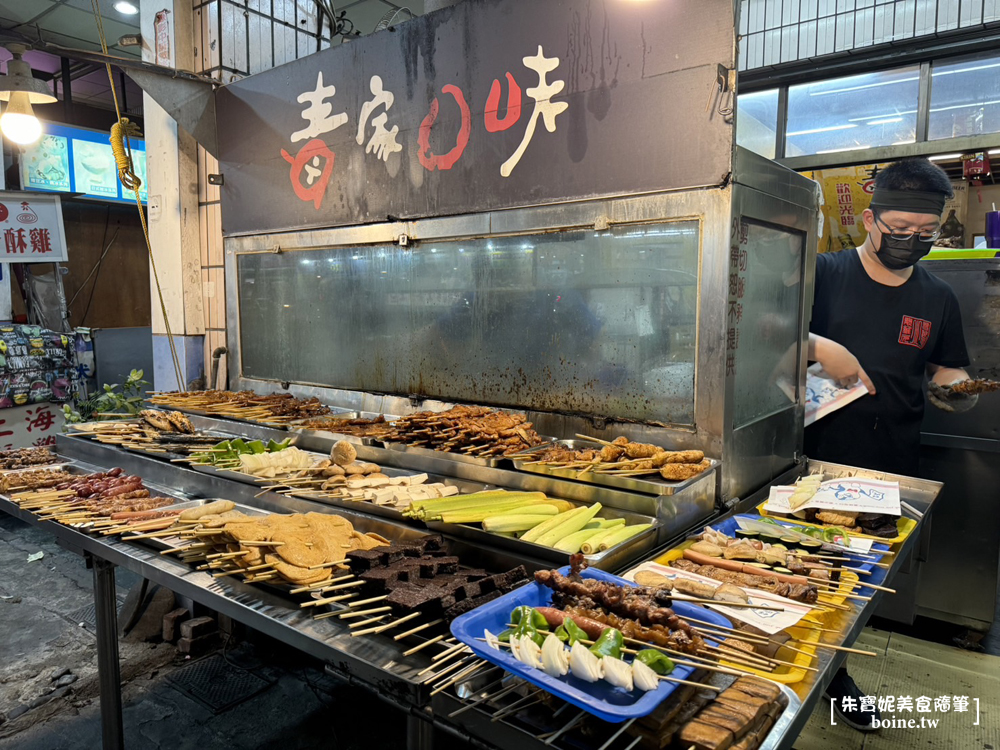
18	87
944	157
19	123
886	121
822	130
839	150
846	89
126	8
19	79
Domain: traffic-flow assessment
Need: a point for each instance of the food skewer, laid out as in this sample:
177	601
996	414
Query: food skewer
417	629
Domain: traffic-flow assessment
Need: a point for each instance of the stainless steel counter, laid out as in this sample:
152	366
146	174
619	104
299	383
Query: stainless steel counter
375	663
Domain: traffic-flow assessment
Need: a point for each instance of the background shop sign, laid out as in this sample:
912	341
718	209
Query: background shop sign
31	226
34	424
847	192
486	105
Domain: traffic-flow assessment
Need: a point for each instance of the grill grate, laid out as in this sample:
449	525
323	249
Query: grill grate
216	684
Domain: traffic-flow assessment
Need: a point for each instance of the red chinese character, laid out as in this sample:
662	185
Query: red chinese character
13	240
914	331
847	221
733	284
735	311
48	440
43	419
744	234
732	339
493	123
743	260
741	287
315	160
40	241
431	161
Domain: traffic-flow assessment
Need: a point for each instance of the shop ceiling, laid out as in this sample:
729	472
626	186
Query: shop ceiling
70	24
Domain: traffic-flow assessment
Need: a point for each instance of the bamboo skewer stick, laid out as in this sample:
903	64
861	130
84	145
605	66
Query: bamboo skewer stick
362	612
423	645
417	629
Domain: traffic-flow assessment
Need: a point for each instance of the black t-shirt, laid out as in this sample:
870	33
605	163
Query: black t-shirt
894	332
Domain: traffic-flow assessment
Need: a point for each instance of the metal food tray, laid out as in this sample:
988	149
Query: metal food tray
175	542
610	560
37	467
366	506
239	476
327	435
216	435
641	484
491	462
231	417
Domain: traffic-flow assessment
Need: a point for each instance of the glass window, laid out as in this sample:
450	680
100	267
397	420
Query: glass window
757	121
965	98
600	323
763	321
853	113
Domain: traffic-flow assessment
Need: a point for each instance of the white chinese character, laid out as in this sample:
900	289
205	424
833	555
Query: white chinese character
383	141
847	703
319	113
960	703
904	703
544	106
923	704
942	703
868	703
887	704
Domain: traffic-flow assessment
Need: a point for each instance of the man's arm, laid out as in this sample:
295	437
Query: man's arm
838	362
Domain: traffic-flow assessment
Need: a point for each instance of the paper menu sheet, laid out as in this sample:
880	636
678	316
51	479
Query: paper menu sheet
823	395
856	495
767	620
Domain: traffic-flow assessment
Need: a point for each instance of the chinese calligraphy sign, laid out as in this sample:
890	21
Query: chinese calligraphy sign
411	123
31	225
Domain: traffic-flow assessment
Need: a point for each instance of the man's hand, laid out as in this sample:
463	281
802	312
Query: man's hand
842	366
944	398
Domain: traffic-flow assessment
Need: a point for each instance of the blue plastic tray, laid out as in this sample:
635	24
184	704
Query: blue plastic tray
599	698
876	575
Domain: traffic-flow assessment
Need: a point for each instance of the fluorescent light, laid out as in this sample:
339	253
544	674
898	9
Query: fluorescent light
822	130
965	106
994	151
886	121
966	70
943	157
863	86
126	8
839	150
866	118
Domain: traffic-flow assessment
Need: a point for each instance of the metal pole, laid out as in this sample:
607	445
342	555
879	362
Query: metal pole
108	668
419	733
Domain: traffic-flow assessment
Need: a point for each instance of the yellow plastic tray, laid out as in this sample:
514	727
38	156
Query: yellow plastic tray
784	674
904	526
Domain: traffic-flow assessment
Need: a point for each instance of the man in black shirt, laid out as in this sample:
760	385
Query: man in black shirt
880	318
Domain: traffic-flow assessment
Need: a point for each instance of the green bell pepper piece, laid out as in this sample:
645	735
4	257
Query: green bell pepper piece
609	644
655	660
239	446
569	632
504	636
256	446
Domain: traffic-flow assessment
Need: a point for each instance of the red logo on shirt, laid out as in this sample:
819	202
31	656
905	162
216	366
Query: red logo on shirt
914	332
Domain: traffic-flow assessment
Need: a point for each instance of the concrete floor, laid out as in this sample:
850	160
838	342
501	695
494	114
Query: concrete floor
304	708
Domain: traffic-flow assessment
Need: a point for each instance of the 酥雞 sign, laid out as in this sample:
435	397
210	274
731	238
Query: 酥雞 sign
31	226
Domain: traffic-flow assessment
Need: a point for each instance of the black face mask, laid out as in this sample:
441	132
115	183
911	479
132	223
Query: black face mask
899	254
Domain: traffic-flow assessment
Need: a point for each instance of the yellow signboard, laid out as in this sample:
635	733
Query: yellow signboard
847	191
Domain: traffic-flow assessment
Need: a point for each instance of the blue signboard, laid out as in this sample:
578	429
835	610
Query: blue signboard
76	160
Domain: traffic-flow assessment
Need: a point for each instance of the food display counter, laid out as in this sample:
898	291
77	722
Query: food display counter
490	708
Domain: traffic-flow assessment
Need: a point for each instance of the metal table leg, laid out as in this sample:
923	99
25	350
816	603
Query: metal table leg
419	734
108	667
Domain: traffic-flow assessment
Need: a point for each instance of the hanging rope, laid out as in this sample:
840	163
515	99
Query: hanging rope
121	147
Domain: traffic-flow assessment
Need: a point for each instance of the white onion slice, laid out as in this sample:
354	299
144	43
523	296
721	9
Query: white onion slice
584	664
555	660
491	640
644	676
528	652
617	672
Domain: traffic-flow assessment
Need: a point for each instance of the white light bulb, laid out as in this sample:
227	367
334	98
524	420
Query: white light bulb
126	8
19	123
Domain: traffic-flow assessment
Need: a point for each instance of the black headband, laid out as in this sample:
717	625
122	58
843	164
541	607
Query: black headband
911	201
